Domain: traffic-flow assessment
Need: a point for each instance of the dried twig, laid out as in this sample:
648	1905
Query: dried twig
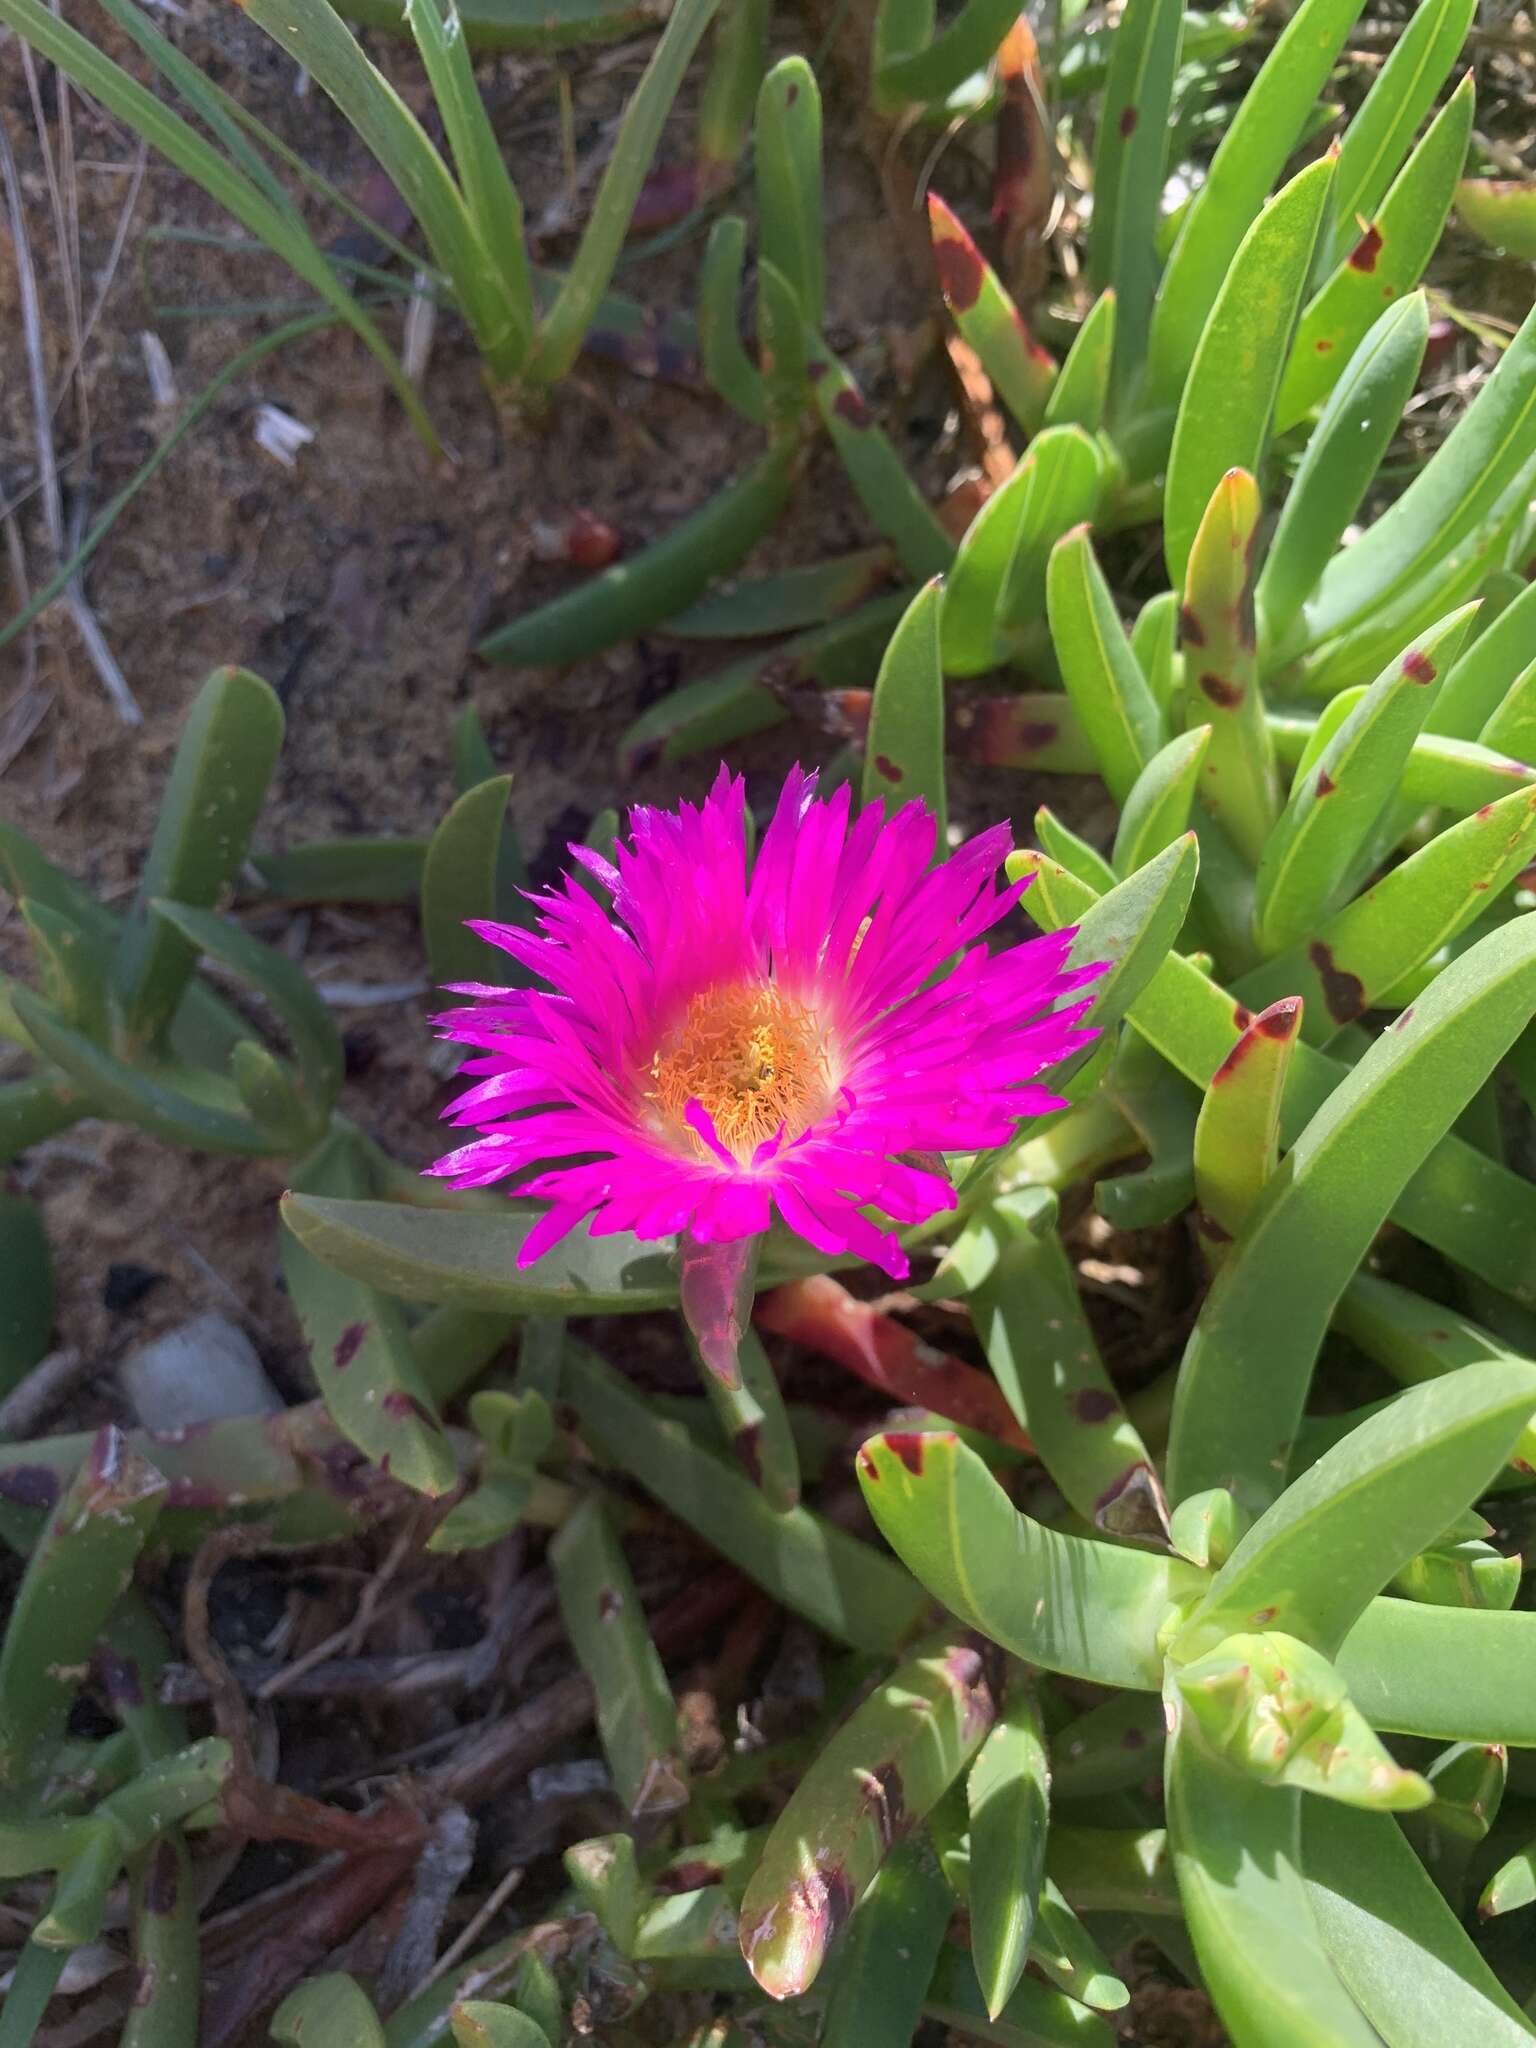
25	1406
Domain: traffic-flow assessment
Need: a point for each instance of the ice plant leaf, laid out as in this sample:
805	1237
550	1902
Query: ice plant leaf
1237	1136
286	988
460	878
786	161
1022	372
1342	457
1377	138
1462	1202
636	1714
224	760
877	473
998	578
476	2023
947	1518
847	1588
359	1344
882	1970
1036	2016
1386	261
646	588
1237	1851
904	752
1501	211
448	1255
1334	803
1103	678
1080	395
1221	688
333	2009
1361	953
1030	1322
736	1044
1272	1300
73	1579
345	871
149	1095
1454	496
885	1767
1277	1710
1156	812
1455	1674
1338	1533
1251	155
26	1305
1129	171
1414	1340
1065	1952
1403	1954
1226	411
1007	1792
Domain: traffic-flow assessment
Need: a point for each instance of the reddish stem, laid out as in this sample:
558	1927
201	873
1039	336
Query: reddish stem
821	1314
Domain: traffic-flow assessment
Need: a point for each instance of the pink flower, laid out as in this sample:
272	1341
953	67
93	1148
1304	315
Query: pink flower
734	1043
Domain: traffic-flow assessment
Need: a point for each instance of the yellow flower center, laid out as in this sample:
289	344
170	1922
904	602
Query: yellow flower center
754	1057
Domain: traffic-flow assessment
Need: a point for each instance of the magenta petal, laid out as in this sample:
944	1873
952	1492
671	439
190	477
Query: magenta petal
933	1035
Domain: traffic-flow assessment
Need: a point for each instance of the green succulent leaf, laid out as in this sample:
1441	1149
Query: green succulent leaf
1227	409
1237	1135
1452	499
604	1618
904	753
641	590
846	1587
1311	1564
476	2023
895	1755
1377	139
1022	373
1156	812
877	473
1501	212
73	1579
1007	1791
1276	1710
1216	628
1387	260
27	1301
1249	1359
224	761
1252	152
1130	170
1343	455
1237	1852
334	2009
1087	1608
787	164
1080	395
1029	1319
1394	1942
998	578
155	1096
310	1028
359	1344
1103	678
345	871
1338	798
460	880
1364	951
881	1973
1460	1201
